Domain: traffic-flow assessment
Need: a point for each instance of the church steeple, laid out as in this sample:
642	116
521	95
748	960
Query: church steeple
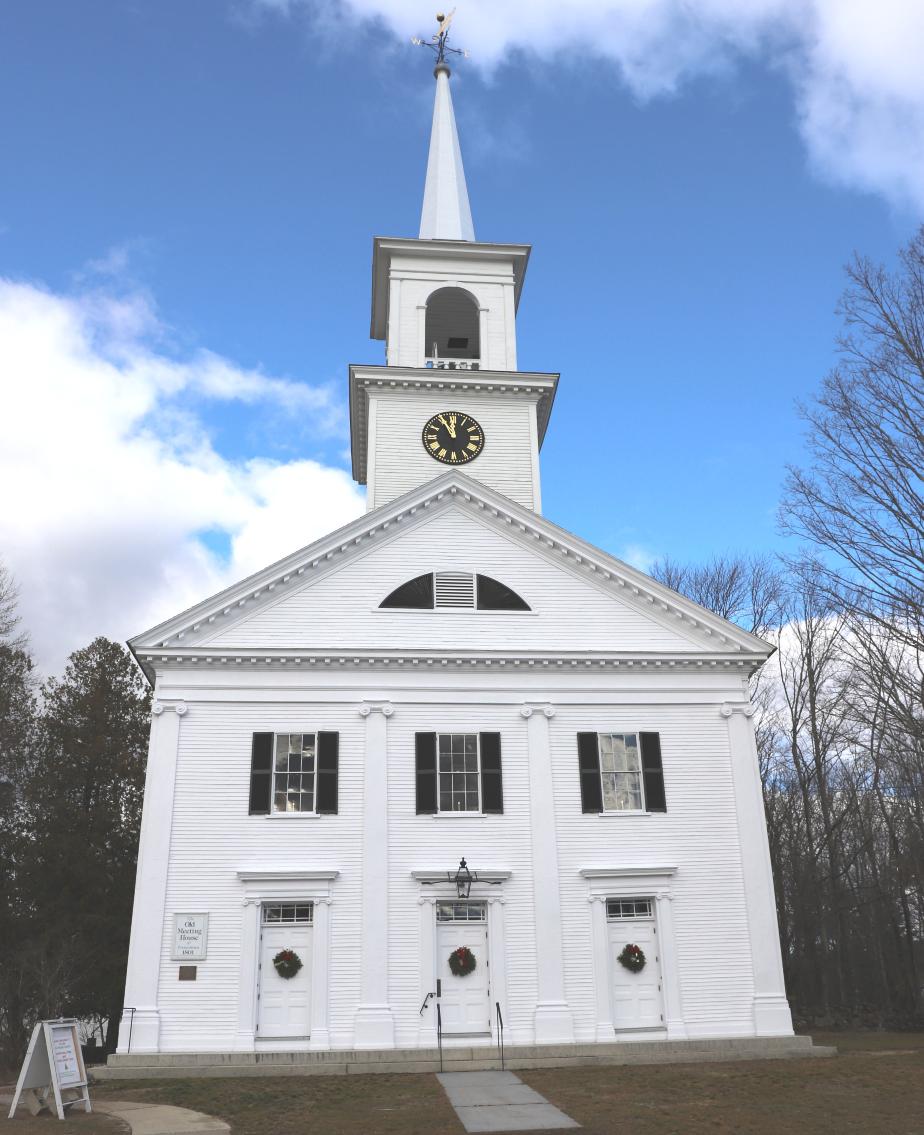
446	213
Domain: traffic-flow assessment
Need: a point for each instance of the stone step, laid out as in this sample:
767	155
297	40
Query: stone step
352	1062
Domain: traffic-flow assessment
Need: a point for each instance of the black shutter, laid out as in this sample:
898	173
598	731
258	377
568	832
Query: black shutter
652	772
589	767
492	785
261	774
425	755
328	761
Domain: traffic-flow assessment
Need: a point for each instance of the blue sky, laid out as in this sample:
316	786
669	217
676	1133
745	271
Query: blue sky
188	196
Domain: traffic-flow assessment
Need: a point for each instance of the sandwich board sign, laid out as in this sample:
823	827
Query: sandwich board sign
53	1065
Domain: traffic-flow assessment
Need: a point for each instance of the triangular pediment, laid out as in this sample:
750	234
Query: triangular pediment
325	599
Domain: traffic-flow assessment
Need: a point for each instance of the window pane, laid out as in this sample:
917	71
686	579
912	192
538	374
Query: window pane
282	750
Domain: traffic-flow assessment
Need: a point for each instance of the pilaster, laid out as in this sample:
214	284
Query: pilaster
553	1020
320	976
771	1008
142	1029
670	970
374	1025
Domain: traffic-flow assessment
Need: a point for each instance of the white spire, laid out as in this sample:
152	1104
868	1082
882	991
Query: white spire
446	212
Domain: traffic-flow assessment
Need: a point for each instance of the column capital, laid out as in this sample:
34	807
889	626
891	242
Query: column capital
385	708
528	710
180	708
726	709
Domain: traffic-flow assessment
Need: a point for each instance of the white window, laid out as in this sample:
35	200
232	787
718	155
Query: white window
621	772
289	914
294	772
457	769
461	912
627	908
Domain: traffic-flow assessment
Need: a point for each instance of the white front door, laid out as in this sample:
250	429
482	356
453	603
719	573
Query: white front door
637	1000
465	1002
284	1004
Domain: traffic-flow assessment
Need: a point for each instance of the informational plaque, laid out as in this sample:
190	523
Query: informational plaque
190	937
53	1069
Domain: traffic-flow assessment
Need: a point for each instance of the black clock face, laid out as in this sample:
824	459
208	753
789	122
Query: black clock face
453	437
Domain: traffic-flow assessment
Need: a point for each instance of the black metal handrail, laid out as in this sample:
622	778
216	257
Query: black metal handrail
426	1002
131	1024
500	1033
439	1032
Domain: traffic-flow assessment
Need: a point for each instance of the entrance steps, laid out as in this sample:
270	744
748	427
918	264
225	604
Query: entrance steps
341	1062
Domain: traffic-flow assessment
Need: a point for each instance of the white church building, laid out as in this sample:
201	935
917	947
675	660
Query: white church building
450	677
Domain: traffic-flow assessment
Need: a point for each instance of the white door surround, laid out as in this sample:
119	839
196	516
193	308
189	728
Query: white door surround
435	888
264	886
653	883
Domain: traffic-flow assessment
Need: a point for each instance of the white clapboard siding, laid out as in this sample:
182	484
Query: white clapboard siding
213	837
698	835
342	609
400	462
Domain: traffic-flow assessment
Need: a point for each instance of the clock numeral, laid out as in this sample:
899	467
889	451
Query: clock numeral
472	447
442	453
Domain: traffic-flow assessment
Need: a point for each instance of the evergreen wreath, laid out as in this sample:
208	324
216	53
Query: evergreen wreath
632	958
462	961
287	963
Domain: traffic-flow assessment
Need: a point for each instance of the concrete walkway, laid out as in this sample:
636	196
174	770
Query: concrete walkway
144	1118
161	1119
500	1101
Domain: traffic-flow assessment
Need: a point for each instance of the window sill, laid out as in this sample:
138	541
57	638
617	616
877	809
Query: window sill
448	611
461	815
289	816
618	814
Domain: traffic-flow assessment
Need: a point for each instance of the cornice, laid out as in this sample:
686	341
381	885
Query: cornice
363	378
563	661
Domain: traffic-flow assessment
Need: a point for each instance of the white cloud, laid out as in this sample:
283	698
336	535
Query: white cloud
638	556
855	66
110	478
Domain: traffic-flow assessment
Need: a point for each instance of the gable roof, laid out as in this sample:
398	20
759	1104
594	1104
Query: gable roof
716	639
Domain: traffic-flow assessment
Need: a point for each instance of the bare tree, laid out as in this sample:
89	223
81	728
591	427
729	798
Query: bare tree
863	499
747	590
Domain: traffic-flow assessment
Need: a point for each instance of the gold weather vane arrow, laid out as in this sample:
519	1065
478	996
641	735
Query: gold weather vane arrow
437	43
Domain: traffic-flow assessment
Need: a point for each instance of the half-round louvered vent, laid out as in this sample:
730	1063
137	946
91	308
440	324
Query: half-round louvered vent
454	590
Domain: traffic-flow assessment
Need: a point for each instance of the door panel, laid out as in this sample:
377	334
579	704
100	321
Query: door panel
637	1002
285	1003
465	1002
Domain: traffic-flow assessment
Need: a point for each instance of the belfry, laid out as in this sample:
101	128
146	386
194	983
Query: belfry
449	772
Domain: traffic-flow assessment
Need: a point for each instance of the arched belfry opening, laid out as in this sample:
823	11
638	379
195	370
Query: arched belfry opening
452	327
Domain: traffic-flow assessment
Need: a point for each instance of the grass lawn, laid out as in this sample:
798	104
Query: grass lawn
876	1086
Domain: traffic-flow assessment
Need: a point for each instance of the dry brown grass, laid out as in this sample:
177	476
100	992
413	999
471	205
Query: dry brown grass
876	1087
47	1123
867	1089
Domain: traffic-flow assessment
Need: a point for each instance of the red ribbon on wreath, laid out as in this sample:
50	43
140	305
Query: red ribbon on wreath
462	961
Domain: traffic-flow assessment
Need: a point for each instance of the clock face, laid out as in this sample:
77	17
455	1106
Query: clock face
453	437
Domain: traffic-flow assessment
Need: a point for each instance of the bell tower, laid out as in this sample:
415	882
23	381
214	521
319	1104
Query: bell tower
445	304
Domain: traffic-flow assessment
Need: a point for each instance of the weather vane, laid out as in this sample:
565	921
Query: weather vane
437	43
